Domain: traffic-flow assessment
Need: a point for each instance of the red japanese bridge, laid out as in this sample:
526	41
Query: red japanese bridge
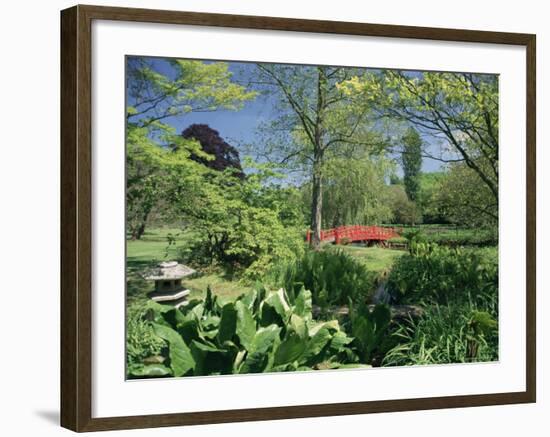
354	233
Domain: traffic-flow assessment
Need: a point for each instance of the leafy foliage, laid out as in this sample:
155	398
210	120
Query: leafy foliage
141	341
411	160
464	199
243	225
452	236
317	120
326	157
191	86
224	155
403	210
445	334
434	274
334	277
259	332
468	237
153	98
460	107
428	197
354	190
369	329
151	172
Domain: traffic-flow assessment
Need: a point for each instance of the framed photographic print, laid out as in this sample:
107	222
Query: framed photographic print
268	218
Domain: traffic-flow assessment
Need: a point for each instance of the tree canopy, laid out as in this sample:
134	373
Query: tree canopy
317	121
222	154
154	98
411	160
460	109
328	154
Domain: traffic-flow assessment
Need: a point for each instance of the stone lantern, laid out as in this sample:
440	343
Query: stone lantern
168	286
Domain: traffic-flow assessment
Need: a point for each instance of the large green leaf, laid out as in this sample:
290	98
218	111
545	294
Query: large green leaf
189	330
246	325
158	308
181	360
210	322
249	298
269	316
255	362
213	360
257	359
198	311
339	341
303	304
205	347
290	349
203	355
299	325
278	301
210	335
264	338
228	323
314	347
331	325
174	317
210	301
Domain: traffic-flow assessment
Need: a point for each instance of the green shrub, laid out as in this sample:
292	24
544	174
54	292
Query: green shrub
414	237
260	332
141	341
369	330
248	248
445	334
432	274
333	277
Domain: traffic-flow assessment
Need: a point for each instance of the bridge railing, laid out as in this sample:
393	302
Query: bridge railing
356	233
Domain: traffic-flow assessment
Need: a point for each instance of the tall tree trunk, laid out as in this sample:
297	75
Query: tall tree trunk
317	179
316	206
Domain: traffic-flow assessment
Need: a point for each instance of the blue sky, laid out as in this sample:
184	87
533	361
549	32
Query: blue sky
240	128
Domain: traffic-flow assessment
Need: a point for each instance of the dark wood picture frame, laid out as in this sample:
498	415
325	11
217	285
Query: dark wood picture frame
76	218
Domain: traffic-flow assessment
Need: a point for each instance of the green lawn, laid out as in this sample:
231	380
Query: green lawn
225	289
375	258
154	248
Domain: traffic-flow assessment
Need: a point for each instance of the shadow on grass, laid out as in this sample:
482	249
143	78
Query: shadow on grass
224	282
136	286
